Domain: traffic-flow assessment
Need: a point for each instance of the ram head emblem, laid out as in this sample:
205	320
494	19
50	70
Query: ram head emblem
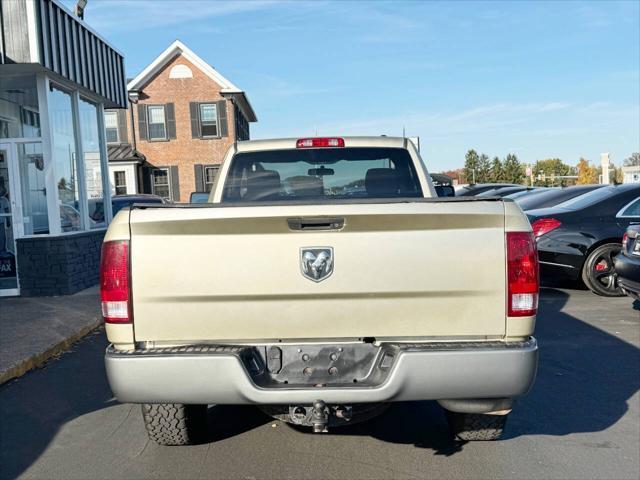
316	262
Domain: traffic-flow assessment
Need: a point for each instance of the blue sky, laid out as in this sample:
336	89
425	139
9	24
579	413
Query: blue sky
539	79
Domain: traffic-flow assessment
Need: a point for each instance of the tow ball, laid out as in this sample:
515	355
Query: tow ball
320	417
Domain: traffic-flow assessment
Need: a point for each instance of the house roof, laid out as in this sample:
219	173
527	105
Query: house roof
178	48
124	152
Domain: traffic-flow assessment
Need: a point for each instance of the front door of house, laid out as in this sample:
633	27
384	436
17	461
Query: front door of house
8	263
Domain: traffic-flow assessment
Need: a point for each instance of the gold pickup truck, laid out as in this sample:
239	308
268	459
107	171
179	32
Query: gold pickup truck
323	280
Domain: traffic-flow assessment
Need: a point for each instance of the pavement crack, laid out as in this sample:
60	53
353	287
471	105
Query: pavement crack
121	422
143	449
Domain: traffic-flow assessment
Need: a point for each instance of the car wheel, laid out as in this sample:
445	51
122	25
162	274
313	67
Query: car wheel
471	427
598	272
175	423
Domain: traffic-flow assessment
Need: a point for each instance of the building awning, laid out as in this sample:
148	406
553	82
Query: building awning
124	153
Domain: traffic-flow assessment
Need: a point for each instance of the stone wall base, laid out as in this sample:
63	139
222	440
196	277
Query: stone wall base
60	265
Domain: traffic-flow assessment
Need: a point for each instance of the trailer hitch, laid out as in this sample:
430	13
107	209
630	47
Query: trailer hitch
320	417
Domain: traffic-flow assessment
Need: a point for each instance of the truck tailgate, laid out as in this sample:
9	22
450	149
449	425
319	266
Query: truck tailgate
414	270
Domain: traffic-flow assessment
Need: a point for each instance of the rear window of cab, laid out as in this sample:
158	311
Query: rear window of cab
321	173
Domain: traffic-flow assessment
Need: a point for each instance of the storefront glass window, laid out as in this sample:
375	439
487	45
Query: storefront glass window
19	115
34	192
8	275
64	158
93	170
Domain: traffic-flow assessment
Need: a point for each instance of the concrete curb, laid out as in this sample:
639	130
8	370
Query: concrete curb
38	359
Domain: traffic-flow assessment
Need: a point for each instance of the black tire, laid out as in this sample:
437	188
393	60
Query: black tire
471	427
175	423
598	272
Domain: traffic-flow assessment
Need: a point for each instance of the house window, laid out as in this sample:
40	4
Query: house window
209	177
120	182
157	122
111	127
208	120
242	126
160	183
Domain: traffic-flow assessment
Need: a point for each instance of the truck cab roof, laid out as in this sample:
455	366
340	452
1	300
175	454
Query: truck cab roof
290	143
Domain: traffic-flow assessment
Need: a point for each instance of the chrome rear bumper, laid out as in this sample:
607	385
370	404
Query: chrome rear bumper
202	374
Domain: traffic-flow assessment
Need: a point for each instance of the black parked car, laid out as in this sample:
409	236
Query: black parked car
118	202
578	239
443	185
70	217
627	263
553	196
527	193
476	188
504	191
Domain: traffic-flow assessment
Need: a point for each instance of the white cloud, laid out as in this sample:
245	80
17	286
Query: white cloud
484	118
539	129
278	87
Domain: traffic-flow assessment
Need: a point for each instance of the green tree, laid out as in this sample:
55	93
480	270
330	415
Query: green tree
547	170
497	171
513	171
471	166
483	174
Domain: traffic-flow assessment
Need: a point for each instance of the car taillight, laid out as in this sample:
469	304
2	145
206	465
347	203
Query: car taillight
319	142
522	274
625	240
542	226
114	282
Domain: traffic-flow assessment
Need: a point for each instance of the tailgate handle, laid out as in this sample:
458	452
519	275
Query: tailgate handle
318	223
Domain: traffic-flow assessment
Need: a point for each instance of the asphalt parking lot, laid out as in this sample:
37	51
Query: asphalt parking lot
581	420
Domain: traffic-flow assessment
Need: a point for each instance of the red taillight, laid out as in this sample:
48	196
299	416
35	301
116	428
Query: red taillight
319	142
114	282
625	240
522	274
543	226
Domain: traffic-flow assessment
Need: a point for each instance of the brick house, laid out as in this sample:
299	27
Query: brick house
182	118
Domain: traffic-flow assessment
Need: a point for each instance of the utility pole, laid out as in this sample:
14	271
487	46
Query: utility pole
604	162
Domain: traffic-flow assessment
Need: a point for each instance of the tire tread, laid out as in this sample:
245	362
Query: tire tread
174	423
472	427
